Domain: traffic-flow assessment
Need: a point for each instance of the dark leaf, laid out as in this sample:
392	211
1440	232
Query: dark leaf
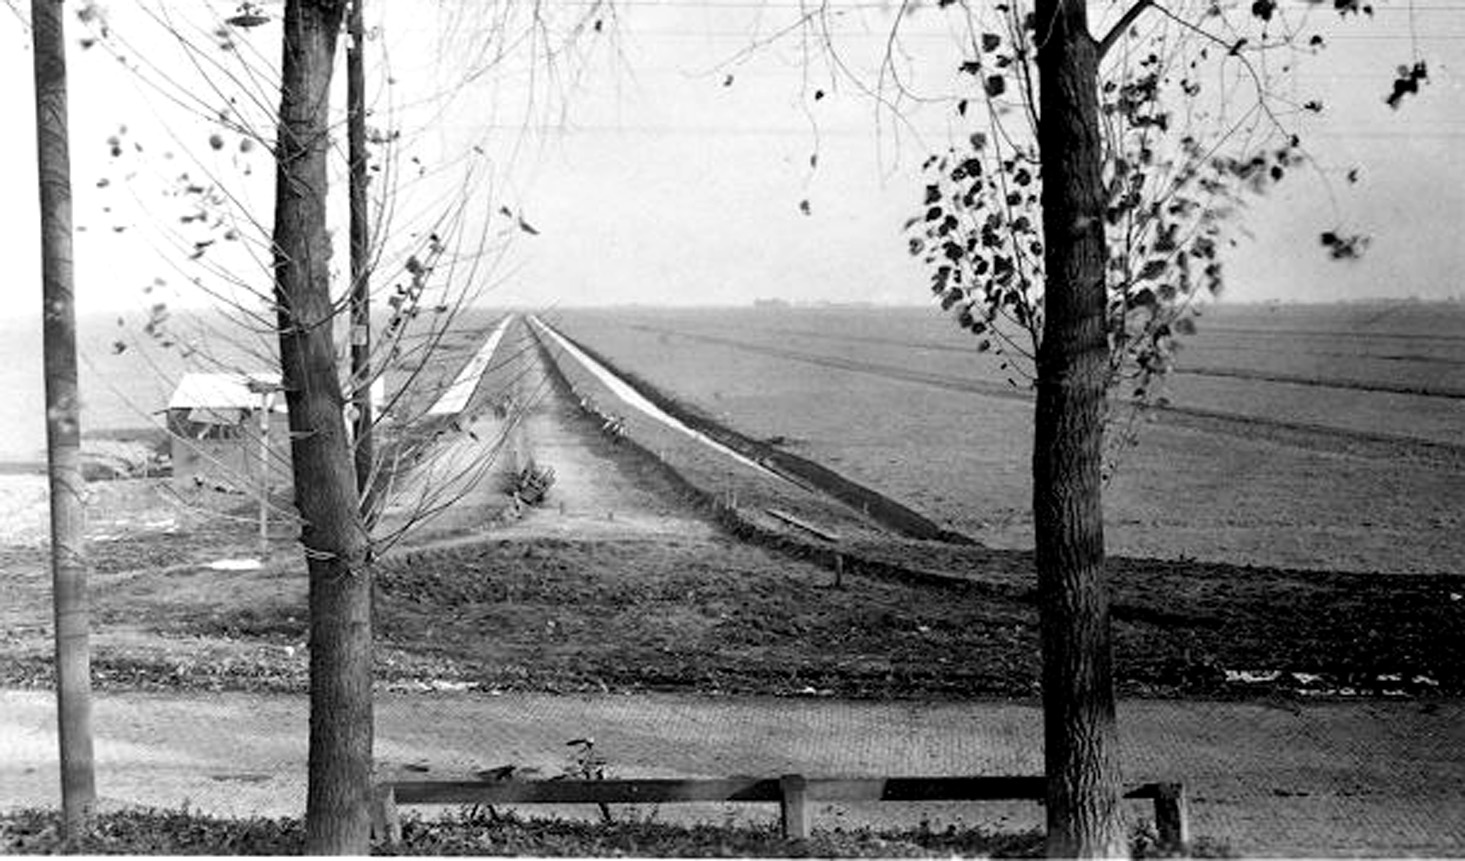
1153	270
1407	83
1142	298
995	85
247	20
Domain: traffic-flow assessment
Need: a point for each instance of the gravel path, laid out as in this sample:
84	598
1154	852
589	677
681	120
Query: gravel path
1324	779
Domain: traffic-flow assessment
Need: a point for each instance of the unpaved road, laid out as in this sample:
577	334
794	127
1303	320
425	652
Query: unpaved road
1323	779
592	494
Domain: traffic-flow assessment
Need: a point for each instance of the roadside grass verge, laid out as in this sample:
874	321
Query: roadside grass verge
476	832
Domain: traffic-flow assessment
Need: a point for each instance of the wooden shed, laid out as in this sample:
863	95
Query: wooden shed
229	430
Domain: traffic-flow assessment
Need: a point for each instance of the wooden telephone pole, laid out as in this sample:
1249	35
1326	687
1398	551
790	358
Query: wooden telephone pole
63	423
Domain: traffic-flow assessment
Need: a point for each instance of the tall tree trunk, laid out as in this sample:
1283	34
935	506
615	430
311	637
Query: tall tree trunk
340	764
360	248
63	424
1079	734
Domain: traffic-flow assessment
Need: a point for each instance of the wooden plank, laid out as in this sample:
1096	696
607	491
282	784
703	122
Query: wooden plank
802	524
994	788
632	791
793	807
1172	812
1172	816
587	791
385	824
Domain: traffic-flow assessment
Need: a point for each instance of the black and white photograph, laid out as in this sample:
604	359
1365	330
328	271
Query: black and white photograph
754	428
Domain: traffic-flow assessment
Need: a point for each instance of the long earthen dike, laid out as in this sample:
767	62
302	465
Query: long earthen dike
882	509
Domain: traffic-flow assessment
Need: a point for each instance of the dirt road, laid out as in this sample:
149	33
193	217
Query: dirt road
469	473
1325	779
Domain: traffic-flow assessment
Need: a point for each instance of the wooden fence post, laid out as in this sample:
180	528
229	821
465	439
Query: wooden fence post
1172	816
794	809
385	824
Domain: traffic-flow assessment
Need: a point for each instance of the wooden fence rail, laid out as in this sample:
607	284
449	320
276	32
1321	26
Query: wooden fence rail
792	792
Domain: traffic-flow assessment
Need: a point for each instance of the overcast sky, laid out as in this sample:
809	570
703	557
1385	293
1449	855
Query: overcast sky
673	169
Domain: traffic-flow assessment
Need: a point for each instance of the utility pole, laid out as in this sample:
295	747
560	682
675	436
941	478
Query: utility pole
63	424
266	390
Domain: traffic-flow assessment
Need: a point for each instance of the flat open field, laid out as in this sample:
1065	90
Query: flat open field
1326	438
629	583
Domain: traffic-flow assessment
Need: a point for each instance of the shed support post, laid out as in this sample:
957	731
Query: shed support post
794	809
265	402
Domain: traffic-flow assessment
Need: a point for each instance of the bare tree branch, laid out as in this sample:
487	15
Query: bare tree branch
1125	22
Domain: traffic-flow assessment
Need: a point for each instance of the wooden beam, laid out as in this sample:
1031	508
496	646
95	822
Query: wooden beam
587	791
792	792
793	807
927	788
1172	813
671	790
385	824
1172	816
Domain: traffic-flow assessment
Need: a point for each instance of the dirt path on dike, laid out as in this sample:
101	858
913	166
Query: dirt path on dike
594	494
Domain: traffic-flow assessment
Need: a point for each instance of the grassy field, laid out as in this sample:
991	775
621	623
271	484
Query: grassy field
1306	451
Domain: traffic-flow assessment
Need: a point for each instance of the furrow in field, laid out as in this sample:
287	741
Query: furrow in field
1314	437
878	369
1290	350
1327	383
1352	334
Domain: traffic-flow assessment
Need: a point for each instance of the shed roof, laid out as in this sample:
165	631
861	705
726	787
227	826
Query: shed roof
220	391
